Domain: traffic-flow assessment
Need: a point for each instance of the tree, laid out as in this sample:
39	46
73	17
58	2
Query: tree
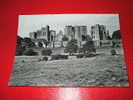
71	47
88	38
46	52
22	44
27	42
64	38
116	35
19	47
113	52
88	47
30	52
19	51
19	41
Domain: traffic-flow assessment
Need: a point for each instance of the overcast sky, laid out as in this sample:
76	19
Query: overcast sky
57	22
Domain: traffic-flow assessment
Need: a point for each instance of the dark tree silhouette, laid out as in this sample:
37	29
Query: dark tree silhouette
27	42
71	47
19	47
116	35
65	38
88	47
30	52
19	41
22	44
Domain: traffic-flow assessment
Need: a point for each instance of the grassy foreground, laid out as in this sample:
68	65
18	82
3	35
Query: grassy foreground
102	70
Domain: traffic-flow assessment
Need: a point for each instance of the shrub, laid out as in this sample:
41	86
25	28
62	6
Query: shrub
19	47
46	52
113	52
59	57
30	52
116	35
89	47
45	59
65	38
19	51
27	42
89	55
71	47
85	55
80	55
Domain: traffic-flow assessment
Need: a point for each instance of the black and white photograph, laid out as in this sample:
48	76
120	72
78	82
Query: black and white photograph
80	50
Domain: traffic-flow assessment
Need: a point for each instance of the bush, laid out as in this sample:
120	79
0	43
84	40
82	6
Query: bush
113	52
89	55
116	35
59	57
45	59
80	55
27	42
88	47
30	52
71	47
65	38
46	52
19	51
85	55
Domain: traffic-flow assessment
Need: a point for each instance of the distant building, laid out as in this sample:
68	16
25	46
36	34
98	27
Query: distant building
69	32
43	33
76	32
59	36
99	34
53	35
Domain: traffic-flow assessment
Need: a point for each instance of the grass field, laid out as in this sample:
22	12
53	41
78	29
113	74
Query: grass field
102	70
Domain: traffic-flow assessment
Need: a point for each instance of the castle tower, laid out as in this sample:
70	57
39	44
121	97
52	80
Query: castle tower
53	35
83	30
77	33
69	32
99	34
48	33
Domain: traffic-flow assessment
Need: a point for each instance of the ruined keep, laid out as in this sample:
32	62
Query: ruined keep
99	35
43	34
76	32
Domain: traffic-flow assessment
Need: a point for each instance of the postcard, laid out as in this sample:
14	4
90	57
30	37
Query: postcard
78	50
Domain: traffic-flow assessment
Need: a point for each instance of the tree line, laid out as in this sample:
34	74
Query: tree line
72	46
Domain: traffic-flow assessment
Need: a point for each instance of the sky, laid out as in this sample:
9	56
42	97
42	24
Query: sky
57	22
